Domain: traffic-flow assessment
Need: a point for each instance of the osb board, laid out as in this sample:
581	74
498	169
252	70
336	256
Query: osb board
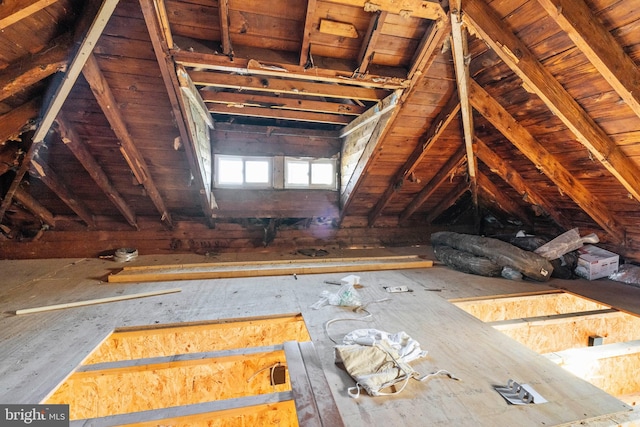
574	332
616	375
504	308
107	392
197	338
281	414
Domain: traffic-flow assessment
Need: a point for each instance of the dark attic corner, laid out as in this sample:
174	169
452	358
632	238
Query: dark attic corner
450	188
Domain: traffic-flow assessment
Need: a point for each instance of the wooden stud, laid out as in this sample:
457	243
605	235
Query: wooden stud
91	165
517	56
102	91
15	11
367	49
94	301
225	36
309	21
500	118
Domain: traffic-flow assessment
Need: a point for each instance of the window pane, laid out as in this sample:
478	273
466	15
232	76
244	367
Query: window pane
322	174
230	171
297	172
257	171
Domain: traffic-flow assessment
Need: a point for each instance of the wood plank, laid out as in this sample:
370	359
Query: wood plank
225	36
368	47
544	161
274	85
127	277
29	202
279	113
309	24
71	139
599	46
342	29
13	123
436	129
537	78
94	301
102	91
12	11
416	8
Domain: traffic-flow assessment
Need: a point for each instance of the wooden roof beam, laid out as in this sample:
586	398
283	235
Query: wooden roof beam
102	91
26	200
517	56
225	36
342	73
276	85
12	11
500	200
277	113
599	46
42	170
546	162
91	165
22	74
447	202
443	174
414	8
158	27
13	123
509	175
367	50
305	50
438	126
461	59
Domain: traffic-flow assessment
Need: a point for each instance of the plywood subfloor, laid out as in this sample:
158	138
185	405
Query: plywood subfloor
40	350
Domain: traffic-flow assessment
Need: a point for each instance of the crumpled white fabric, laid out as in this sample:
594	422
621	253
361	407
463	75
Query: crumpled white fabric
377	359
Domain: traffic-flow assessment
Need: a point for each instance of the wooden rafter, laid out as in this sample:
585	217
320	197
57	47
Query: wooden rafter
447	202
415	8
438	126
15	184
26	200
102	91
367	50
241	99
519	58
599	46
546	162
499	199
436	35
22	74
303	116
14	122
509	175
50	178
460	50
91	165
225	36
339	74
167	69
275	85
443	174
305	49
12	11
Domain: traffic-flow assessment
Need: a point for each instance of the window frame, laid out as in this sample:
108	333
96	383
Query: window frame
310	185
249	185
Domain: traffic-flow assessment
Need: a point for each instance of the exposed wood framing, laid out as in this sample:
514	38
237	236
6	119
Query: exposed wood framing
343	74
282	114
367	49
416	8
424	53
26	200
296	87
437	32
78	148
447	202
51	180
13	123
156	24
61	91
225	36
438	126
281	103
599	46
336	28
509	175
501	201
305	50
102	91
15	184
544	161
22	74
443	174
461	59
517	56
12	11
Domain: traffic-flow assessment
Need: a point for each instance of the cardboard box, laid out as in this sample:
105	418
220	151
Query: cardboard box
595	262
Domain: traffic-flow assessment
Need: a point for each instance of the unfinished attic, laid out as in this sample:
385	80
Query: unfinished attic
188	188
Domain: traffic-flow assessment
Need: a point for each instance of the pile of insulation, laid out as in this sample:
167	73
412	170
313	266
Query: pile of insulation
486	256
